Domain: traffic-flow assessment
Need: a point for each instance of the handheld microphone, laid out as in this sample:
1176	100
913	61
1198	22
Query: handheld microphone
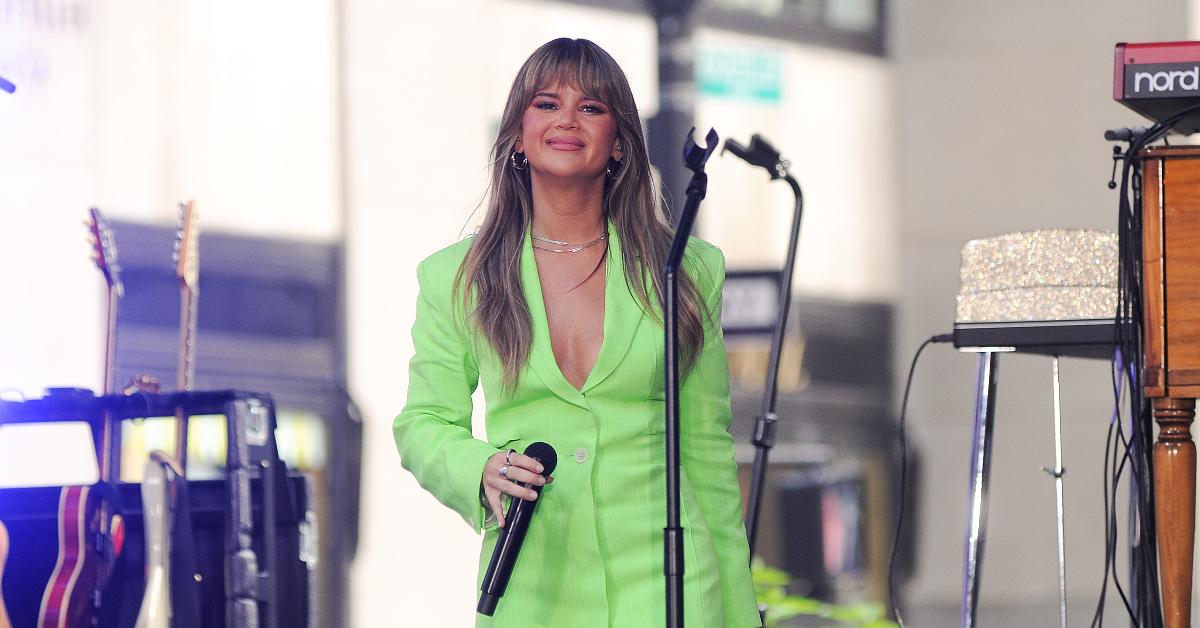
504	556
6	85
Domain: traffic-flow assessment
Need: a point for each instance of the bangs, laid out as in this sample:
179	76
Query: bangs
578	64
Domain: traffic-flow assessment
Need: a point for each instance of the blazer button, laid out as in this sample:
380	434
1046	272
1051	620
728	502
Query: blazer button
581	455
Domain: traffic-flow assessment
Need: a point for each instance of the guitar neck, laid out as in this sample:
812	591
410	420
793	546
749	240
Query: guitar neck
110	430
185	375
110	343
187	269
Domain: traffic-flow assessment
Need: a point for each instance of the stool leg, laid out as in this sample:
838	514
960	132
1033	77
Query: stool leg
1057	472
977	500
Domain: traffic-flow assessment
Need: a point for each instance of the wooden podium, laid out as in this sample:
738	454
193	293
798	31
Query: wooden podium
1171	280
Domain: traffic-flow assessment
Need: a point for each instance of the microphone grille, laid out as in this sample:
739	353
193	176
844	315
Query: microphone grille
545	454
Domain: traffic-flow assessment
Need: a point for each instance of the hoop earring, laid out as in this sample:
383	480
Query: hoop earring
612	169
524	163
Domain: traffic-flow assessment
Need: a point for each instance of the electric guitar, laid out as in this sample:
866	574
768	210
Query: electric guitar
90	533
164	489
5	622
160	474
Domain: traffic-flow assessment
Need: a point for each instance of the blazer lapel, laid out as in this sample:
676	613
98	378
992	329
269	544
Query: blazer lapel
541	353
622	315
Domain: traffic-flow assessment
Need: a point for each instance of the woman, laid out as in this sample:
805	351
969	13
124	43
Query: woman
553	306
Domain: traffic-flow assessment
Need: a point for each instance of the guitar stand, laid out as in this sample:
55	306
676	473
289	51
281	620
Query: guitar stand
252	578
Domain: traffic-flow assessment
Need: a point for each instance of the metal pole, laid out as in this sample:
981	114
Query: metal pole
765	426
977	501
676	96
694	157
1058	472
760	153
673	543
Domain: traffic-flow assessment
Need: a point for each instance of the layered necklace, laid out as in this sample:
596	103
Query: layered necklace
567	247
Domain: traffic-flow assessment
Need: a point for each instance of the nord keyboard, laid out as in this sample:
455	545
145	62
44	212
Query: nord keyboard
1159	79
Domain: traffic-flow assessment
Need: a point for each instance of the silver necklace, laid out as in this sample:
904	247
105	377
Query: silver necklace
571	248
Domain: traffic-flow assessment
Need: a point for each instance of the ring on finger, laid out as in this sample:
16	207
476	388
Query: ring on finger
508	456
504	472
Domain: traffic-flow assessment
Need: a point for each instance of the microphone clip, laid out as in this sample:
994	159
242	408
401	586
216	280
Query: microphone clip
694	155
760	153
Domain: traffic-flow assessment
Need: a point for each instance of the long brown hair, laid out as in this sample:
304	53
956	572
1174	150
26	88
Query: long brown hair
492	269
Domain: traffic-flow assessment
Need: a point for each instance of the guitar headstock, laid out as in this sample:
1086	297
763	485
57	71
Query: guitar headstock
187	246
104	249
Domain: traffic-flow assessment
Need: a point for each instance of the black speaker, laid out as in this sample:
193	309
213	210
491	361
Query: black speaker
823	515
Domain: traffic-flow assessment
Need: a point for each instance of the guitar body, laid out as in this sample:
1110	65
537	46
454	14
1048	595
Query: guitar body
69	601
5	622
156	603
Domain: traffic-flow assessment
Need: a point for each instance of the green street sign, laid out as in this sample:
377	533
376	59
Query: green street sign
740	75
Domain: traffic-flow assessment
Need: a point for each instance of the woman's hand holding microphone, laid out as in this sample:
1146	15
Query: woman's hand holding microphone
501	474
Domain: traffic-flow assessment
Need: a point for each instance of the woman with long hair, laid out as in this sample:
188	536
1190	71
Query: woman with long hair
554	307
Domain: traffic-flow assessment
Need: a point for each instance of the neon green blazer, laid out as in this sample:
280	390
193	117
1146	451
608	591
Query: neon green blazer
593	556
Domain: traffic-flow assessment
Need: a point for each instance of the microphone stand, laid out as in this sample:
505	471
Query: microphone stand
762	154
694	158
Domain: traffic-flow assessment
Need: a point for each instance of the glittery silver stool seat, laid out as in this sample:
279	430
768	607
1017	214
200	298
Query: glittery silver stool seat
1046	275
1051	292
